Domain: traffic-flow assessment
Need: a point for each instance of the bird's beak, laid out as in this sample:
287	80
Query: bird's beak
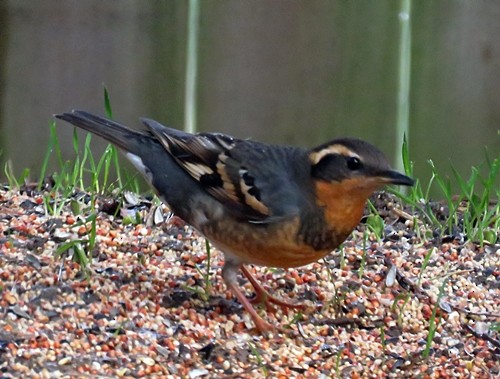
395	177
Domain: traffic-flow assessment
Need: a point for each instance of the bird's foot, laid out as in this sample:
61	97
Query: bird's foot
262	296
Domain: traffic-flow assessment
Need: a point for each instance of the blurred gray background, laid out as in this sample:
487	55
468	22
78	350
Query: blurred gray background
283	71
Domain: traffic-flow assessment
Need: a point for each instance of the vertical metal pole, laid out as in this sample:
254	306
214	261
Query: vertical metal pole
403	99
191	67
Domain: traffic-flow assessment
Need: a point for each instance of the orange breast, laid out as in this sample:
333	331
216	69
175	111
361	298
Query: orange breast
279	244
264	245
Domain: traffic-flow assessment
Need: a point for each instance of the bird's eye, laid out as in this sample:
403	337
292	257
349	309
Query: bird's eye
353	163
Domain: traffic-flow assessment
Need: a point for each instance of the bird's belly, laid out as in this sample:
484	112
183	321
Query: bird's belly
284	256
274	245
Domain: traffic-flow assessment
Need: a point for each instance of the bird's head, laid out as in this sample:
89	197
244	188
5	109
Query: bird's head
346	172
354	161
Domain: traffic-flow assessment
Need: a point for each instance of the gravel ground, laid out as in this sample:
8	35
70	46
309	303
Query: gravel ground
143	307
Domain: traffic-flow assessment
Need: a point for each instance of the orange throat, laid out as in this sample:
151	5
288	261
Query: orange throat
344	202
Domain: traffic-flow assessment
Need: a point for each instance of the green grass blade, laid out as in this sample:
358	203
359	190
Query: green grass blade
93	230
432	321
405	154
55	144
107	103
46	158
103	167
9	174
116	162
94	186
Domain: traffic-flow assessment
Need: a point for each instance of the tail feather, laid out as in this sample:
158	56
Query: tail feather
149	156
118	134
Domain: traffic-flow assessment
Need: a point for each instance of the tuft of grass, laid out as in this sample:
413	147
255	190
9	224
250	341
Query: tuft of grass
425	263
342	256
260	360
399	309
204	291
338	300
71	175
338	361
113	150
406	296
80	250
362	264
479	215
475	209
295	319
417	196
374	222
13	181
383	340
433	321
207	274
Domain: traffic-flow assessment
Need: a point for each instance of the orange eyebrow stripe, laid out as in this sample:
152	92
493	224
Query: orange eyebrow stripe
316	156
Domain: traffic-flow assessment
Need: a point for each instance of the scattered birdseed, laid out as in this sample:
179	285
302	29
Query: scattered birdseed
143	302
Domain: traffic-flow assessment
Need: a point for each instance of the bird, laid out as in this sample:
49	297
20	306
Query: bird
259	204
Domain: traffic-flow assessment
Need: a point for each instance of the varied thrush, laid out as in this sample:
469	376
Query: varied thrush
259	204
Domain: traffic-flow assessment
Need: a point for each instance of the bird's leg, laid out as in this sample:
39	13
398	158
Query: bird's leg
262	296
229	274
